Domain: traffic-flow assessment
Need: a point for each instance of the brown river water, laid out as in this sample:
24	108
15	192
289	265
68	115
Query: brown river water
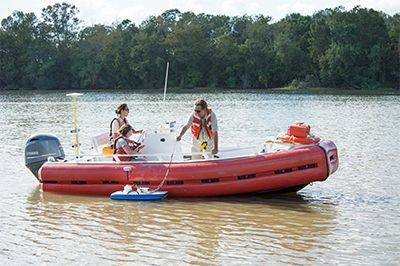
353	218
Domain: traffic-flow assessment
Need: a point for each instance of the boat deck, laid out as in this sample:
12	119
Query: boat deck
224	153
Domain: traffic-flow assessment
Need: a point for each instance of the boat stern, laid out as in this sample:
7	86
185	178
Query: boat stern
331	153
39	149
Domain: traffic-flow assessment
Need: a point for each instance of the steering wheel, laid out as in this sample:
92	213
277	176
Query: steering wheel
142	136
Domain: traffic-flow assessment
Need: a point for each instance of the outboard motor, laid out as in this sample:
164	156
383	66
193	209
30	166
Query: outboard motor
39	148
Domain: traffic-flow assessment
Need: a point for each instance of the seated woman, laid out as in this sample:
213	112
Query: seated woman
123	145
122	112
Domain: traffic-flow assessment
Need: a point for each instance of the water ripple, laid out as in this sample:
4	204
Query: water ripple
350	219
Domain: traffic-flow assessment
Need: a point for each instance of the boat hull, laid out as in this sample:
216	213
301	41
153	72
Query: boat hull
279	171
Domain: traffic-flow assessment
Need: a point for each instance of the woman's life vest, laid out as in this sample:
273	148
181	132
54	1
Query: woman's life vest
196	124
121	122
121	150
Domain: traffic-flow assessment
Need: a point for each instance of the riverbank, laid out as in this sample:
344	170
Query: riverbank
321	90
286	90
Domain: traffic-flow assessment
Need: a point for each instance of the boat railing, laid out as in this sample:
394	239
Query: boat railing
116	157
166	157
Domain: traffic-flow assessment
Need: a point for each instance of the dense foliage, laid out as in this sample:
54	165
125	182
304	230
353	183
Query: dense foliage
333	48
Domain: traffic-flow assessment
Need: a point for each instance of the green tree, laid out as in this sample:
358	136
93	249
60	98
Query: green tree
190	46
291	48
116	57
227	63
87	66
18	46
60	26
393	60
150	53
357	45
335	48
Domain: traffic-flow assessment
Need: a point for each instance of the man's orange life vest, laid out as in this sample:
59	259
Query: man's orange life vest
196	125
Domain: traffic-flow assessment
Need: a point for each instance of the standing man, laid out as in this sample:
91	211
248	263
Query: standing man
204	126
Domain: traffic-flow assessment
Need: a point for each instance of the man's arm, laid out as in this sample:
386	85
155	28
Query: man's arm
182	132
214	126
185	127
215	136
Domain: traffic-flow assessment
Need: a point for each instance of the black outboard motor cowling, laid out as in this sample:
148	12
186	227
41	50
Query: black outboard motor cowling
39	148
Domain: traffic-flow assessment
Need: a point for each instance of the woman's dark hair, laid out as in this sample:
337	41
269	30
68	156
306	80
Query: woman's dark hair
120	108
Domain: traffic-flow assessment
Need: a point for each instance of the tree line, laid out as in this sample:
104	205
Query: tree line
332	48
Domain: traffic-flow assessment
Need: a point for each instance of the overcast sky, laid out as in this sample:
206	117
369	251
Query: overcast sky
107	12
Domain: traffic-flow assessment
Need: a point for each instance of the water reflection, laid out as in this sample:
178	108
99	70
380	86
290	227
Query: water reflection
244	228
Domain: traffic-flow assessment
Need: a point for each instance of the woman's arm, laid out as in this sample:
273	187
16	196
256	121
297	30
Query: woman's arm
137	131
132	150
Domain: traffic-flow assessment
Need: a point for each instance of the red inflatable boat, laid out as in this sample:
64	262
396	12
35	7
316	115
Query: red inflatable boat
279	166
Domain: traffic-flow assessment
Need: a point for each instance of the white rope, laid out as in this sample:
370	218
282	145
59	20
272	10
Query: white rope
167	172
